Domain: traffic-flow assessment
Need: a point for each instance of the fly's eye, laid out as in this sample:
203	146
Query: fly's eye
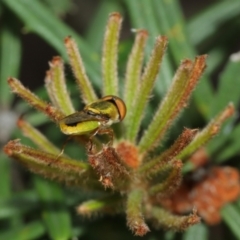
119	103
121	108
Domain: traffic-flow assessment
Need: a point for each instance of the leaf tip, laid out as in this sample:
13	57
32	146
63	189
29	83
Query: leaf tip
142	32
55	61
67	40
115	16
11	146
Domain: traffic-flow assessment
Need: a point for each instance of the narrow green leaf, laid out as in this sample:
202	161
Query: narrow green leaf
222	139
61	8
57	82
216	56
36	118
47	164
196	232
134	211
169	235
18	204
202	137
107	204
40	20
142	15
5	173
9	63
231	216
174	222
176	99
171	183
37	137
134	68
55	213
158	163
146	85
230	146
238	203
85	87
172	24
205	24
95	31
30	231
227	90
34	100
110	55
91	206
203	96
165	17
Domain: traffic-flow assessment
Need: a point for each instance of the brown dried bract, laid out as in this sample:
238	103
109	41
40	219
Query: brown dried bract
129	154
218	187
109	167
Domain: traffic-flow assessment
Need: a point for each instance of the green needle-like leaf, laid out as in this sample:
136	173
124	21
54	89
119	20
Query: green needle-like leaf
176	99
84	84
224	153
9	62
46	164
92	206
175	222
95	32
142	14
55	214
110	55
57	84
37	137
228	81
231	217
5	167
207	133
171	183
134	69
20	203
196	232
41	21
146	85
158	163
205	24
135	220
17	87
107	204
171	23
32	230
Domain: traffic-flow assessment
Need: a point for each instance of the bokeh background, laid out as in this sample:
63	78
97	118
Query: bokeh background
31	33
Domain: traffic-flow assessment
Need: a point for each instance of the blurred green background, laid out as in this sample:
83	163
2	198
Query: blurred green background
32	32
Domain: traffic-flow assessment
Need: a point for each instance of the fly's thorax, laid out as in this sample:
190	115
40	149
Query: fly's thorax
110	107
103	110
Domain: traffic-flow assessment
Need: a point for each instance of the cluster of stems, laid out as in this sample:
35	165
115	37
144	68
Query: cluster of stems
133	178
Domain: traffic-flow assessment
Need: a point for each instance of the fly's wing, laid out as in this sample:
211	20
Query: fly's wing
106	110
78	117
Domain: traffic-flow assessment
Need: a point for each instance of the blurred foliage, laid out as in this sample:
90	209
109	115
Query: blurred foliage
32	208
59	9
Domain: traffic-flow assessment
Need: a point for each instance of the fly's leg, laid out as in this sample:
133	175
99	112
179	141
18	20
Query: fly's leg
90	145
63	147
110	133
